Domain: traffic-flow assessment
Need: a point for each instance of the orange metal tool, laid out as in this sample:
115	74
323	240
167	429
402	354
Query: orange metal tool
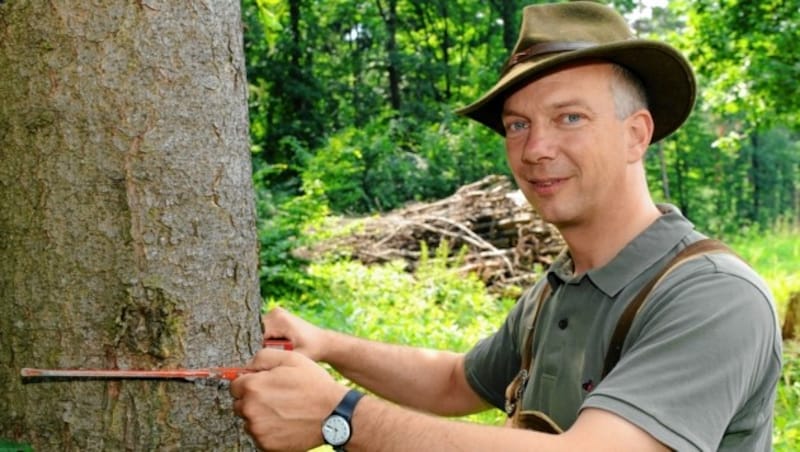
279	343
211	373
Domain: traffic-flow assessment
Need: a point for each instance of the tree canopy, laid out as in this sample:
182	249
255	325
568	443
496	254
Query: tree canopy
357	99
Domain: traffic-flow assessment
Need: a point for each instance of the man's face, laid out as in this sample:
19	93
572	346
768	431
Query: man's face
566	147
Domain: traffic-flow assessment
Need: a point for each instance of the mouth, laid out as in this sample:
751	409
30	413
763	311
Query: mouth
546	186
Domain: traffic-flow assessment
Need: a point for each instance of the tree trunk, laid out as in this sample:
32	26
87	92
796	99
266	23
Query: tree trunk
389	16
791	319
127	221
680	194
445	47
508	11
754	172
662	161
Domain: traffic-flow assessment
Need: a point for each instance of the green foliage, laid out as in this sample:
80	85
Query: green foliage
735	163
746	53
679	171
359	96
351	111
727	183
775	254
390	70
269	16
282	221
392	160
434	306
786	431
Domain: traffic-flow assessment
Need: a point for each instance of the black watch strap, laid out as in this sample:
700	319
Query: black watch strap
346	407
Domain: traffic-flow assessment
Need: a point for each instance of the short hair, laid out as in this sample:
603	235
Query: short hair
628	92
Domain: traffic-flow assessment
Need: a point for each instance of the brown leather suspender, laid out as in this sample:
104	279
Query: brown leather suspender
695	249
517	386
539	421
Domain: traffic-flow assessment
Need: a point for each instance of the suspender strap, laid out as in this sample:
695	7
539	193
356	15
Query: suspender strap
516	388
527	355
695	249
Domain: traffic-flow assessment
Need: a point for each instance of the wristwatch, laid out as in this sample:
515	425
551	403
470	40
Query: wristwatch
337	429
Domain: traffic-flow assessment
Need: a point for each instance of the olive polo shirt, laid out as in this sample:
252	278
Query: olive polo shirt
699	366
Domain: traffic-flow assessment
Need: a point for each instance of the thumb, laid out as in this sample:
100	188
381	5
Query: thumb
270	358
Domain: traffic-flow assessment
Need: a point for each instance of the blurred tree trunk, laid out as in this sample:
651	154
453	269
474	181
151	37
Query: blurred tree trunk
791	319
508	10
662	164
127	221
389	15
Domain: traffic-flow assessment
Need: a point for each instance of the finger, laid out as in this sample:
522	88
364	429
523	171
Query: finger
238	386
270	319
270	358
237	407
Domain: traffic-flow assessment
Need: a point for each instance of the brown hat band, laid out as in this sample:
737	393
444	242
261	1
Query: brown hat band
544	48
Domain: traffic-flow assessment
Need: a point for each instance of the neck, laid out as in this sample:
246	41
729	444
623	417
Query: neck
594	244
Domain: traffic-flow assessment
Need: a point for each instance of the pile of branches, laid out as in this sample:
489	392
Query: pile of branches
489	227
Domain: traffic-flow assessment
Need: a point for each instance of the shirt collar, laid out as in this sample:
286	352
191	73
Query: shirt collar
646	249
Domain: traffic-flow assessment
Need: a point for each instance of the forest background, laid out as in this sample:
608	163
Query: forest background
351	112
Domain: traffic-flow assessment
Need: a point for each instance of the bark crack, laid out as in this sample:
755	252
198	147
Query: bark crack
134	204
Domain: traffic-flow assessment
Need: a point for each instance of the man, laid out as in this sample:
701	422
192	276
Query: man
696	367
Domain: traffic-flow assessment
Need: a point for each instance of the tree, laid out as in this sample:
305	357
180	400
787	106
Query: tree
745	57
747	52
127	224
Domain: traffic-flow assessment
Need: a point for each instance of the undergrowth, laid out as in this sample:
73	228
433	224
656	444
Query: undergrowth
435	306
776	256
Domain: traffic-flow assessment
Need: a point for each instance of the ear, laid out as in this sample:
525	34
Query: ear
639	131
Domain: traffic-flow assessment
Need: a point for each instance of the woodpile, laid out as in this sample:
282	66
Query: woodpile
489	227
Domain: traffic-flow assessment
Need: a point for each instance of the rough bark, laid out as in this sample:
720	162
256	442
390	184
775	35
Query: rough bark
127	223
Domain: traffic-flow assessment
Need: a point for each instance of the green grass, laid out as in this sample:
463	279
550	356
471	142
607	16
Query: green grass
786	434
439	308
776	256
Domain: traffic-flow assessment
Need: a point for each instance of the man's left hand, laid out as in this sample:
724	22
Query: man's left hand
285	401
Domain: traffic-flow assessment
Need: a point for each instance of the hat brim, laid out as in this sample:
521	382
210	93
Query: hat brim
666	75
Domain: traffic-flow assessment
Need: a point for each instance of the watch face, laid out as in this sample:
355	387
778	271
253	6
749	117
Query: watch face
336	430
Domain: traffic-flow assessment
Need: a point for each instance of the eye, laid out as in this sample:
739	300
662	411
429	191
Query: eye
516	126
571	118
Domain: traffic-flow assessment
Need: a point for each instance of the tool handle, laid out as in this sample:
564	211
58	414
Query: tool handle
279	343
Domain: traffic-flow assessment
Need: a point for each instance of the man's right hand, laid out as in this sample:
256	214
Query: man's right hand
424	379
305	337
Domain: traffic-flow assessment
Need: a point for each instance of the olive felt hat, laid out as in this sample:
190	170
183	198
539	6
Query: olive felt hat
559	34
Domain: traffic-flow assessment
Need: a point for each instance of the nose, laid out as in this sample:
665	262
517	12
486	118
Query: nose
539	145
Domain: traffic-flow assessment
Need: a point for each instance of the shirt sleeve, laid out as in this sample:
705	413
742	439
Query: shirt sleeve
701	349
495	360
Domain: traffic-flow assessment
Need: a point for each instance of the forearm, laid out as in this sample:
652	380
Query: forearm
286	398
423	379
379	426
